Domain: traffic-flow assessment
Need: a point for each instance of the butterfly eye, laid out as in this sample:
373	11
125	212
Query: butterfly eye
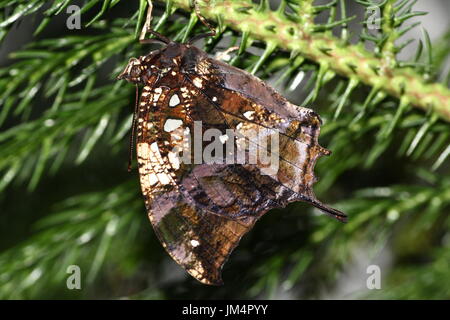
135	71
132	72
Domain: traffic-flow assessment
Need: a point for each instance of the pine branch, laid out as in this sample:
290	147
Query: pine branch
62	107
90	225
350	61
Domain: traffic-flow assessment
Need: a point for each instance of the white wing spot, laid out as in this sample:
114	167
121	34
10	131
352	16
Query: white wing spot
153	179
163	178
174	160
249	114
174	100
194	243
198	82
172	124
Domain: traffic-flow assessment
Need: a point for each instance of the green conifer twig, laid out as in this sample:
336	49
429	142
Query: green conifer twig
351	61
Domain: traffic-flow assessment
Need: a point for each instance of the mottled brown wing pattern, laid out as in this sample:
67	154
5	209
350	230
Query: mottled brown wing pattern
191	207
200	211
199	242
233	112
156	142
231	92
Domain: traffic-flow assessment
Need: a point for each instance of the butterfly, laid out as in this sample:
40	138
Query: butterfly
201	210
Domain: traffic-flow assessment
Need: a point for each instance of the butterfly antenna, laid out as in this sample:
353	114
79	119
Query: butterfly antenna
133	130
202	19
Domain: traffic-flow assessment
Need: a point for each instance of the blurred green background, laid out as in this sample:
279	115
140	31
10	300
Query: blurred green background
67	199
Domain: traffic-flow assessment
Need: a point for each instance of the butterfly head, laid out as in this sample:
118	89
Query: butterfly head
134	71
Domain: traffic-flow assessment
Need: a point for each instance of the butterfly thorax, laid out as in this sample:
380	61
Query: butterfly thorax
174	57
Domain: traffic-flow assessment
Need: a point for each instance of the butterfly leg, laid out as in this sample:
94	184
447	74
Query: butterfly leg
148	20
225	55
202	19
147	28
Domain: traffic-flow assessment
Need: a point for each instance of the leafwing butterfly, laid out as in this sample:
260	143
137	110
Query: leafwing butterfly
200	211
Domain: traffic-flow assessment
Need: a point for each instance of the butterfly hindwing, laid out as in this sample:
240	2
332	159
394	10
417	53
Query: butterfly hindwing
244	101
